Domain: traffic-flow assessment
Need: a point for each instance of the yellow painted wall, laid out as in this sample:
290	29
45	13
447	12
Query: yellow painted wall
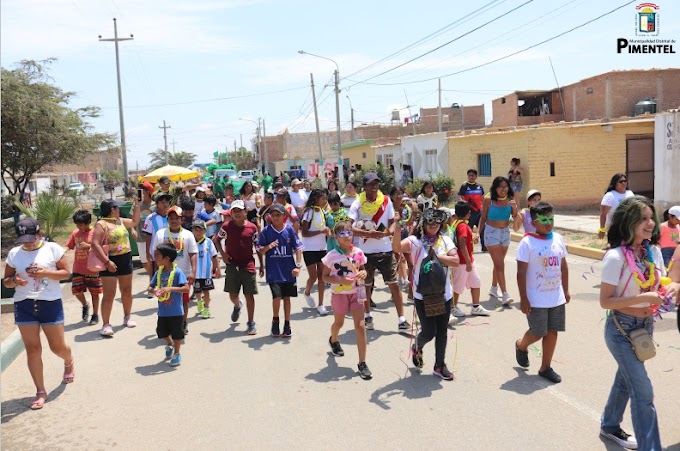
585	157
355	154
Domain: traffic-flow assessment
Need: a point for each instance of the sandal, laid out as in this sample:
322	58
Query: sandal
69	377
40	399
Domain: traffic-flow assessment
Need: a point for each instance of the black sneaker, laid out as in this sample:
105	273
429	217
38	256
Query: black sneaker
185	328
287	333
522	357
369	322
336	349
86	312
443	372
94	320
621	438
373	305
276	330
551	375
417	356
236	313
364	372
404	325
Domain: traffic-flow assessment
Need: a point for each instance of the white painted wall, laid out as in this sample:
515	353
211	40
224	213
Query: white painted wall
417	146
667	160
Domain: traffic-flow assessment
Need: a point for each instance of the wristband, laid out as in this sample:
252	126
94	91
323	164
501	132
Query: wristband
602	229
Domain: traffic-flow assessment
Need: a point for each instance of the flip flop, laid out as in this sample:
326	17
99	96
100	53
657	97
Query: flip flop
69	377
40	399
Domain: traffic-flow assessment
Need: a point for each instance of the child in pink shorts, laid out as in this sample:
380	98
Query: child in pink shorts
344	270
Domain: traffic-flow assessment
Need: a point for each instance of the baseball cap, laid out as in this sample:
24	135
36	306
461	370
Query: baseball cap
198	223
26	230
238	204
147	187
278	207
282	192
164	179
176	210
162	196
532	192
200	188
675	211
108	204
370	177
296	182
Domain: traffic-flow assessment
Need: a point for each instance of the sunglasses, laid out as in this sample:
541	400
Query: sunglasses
432	221
545	220
345	234
623	181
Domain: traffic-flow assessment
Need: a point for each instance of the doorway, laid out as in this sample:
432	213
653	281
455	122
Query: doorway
640	164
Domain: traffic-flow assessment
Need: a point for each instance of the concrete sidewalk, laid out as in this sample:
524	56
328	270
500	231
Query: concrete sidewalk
588	222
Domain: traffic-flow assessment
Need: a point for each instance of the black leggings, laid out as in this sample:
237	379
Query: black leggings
433	327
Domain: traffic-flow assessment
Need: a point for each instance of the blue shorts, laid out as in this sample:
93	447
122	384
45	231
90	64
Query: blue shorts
496	237
30	311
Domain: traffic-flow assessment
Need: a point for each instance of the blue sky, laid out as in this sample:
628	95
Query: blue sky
189	59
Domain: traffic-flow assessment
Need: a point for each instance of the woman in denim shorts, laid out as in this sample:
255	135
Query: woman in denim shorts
34	269
497	210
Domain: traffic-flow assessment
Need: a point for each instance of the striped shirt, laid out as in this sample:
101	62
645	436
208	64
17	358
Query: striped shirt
206	251
211	230
153	223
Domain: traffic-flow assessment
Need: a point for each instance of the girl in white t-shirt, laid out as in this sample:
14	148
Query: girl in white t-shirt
631	290
34	269
616	192
314	232
429	236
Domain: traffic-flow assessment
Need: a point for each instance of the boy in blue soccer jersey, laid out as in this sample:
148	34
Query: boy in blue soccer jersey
278	242
207	268
168	284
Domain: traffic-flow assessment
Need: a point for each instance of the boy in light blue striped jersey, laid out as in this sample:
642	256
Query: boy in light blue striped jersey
207	268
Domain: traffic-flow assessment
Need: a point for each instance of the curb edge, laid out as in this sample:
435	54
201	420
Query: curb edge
11	346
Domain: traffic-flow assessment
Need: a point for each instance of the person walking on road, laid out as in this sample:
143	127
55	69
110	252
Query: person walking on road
543	280
473	193
494	225
670	234
344	270
207	268
156	221
631	277
432	254
112	228
616	192
34	269
84	279
373	217
240	236
315	231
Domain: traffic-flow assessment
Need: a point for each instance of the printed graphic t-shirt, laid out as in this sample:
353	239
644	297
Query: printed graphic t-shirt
544	271
80	258
280	261
341	265
472	193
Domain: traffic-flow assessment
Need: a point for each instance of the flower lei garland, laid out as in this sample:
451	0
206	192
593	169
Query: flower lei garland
639	276
322	222
407	214
369	208
179	244
171	278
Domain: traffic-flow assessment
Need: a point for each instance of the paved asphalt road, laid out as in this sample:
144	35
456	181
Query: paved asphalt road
235	391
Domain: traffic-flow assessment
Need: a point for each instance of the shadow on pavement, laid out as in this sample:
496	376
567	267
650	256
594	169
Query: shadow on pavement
219	337
306	313
524	384
12	408
257	343
151	342
146	312
76	326
94	335
332	372
675	447
155	369
415	386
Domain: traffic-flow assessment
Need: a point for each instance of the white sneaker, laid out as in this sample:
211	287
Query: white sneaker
129	322
453	320
322	310
310	300
457	312
480	311
507	299
494	292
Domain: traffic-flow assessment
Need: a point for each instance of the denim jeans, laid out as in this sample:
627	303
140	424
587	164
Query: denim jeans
631	382
433	327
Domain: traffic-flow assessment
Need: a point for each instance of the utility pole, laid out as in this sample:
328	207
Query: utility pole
241	139
352	116
341	168
165	139
318	133
234	145
173	145
259	145
266	154
120	95
439	107
409	113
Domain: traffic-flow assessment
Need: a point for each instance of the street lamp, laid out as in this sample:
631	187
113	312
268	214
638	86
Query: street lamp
259	143
341	171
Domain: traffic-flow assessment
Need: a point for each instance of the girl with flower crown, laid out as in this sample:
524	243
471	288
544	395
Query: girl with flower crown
631	290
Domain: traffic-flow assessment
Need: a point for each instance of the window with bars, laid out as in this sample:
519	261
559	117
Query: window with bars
484	164
431	160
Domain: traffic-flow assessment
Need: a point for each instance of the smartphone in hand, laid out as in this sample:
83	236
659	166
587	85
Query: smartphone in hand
139	194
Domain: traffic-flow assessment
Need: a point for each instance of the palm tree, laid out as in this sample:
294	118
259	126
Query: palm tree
158	158
53	212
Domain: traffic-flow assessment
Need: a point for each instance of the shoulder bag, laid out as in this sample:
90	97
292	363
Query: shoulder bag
642	343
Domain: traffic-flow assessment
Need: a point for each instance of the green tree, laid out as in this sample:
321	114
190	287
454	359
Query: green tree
38	126
242	159
180	158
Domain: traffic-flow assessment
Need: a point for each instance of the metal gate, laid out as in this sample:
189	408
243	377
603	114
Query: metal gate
640	164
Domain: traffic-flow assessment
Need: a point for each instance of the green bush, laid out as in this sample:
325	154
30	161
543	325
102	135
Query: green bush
384	174
8	207
53	212
443	186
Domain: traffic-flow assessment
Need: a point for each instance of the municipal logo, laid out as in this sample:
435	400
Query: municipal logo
647	19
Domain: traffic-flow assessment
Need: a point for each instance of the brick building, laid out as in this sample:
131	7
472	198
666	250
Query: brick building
609	95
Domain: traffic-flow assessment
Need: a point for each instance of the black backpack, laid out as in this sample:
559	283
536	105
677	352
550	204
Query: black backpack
432	284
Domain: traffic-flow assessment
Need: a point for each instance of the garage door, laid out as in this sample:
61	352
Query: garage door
640	165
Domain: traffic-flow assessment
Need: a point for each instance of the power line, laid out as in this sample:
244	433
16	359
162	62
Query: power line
445	44
508	55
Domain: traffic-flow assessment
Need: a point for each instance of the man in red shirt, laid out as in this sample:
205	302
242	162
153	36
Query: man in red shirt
240	238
